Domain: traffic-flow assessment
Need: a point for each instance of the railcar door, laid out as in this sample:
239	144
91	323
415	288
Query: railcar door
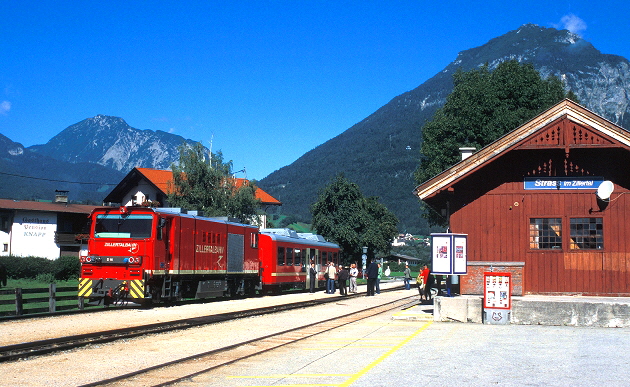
235	253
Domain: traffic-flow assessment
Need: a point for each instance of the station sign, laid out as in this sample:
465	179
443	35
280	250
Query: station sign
558	183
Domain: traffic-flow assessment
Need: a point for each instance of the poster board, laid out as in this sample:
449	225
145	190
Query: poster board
449	253
497	290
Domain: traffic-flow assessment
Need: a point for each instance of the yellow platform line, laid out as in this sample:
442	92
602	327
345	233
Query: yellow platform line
353	377
384	356
288	376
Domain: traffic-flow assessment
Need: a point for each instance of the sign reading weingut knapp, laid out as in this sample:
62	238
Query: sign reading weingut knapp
33	234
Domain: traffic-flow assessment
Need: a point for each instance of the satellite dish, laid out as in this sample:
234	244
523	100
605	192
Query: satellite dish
605	189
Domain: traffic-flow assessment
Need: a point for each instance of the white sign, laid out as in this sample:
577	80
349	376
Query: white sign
33	234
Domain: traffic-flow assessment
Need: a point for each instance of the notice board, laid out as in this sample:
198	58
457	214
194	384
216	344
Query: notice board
449	253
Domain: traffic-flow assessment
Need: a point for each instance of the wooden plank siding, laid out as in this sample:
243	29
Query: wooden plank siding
497	225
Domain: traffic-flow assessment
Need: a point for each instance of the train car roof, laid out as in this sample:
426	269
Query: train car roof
291	236
178	212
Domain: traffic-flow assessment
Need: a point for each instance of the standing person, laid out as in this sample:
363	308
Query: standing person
330	282
312	276
425	280
378	279
407	277
343	278
429	285
421	285
354	273
371	273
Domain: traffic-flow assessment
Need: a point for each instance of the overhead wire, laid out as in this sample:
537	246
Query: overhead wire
55	180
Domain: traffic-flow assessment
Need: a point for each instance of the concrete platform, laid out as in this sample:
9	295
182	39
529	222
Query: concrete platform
608	312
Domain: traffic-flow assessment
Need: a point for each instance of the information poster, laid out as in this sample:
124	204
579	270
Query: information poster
497	290
441	246
449	254
459	258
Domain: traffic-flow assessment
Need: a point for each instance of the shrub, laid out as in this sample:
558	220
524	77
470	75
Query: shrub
66	268
47	278
63	268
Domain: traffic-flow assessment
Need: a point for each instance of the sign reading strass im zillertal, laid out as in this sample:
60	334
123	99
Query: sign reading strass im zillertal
555	183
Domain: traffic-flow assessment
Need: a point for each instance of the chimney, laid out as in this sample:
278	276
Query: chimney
61	196
467	151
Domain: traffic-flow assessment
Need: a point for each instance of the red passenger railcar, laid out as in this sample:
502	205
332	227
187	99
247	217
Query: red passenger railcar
286	257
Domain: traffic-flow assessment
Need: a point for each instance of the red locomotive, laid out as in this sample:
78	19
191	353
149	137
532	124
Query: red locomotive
142	254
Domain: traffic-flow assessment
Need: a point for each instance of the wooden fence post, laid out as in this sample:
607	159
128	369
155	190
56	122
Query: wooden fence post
52	303
19	307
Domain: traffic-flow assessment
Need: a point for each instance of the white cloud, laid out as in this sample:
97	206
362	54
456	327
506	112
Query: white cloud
5	106
573	23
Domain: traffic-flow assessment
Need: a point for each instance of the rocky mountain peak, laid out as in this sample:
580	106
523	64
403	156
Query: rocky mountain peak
110	141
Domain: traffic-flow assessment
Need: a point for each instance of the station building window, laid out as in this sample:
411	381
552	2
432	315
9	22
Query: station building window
586	234
545	233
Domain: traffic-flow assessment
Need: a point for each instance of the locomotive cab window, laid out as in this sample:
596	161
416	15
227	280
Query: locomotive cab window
123	226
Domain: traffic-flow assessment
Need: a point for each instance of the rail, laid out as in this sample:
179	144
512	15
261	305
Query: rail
29	301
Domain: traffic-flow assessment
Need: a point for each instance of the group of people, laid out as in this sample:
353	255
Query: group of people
341	275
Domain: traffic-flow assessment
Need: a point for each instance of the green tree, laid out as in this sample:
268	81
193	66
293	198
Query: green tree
483	106
343	215
206	183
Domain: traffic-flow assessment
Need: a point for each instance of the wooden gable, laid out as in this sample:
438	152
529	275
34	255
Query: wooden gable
565	133
565	126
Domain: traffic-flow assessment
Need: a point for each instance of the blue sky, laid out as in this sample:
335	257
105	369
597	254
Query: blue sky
267	81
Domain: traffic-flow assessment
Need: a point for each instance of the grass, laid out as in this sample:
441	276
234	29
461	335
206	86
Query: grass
12	284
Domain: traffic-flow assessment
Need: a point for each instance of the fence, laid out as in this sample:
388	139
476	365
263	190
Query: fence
28	301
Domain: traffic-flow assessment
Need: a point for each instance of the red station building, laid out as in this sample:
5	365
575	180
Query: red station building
529	204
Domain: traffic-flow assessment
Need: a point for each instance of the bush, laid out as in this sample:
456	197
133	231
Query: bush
67	268
46	278
63	268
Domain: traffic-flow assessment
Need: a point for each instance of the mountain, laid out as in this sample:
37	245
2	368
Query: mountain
88	159
30	176
111	142
381	152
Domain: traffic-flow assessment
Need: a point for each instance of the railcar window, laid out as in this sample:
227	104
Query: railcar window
324	257
280	256
289	256
335	257
123	226
586	234
298	257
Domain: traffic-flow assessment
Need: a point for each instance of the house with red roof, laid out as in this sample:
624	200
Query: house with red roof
43	229
147	185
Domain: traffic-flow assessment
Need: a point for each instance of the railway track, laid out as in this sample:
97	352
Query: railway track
186	368
43	347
